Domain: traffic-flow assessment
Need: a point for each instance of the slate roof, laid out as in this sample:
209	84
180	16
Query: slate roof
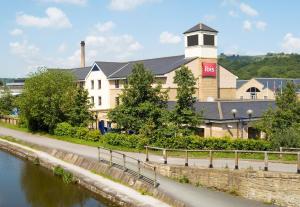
200	27
211	110
271	83
79	73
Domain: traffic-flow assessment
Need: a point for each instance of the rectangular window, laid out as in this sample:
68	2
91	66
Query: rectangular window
81	84
99	100
117	84
192	40
209	39
265	97
117	101
99	84
92	84
92	100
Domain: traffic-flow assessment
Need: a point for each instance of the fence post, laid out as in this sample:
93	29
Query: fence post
186	158
298	163
124	162
99	158
155	182
210	159
280	155
165	156
110	159
236	160
147	154
139	168
266	161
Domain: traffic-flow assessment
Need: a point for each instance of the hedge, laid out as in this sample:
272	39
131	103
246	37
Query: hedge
138	141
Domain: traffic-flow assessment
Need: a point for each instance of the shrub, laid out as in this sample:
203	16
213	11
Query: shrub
93	135
125	140
63	129
81	132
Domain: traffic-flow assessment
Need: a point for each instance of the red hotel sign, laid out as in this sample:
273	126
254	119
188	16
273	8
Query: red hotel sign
209	69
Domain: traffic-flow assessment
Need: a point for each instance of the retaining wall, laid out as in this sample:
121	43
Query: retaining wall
270	187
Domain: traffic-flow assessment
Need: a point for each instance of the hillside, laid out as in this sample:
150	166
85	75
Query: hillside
271	65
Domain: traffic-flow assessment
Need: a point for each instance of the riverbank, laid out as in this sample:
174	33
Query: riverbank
117	193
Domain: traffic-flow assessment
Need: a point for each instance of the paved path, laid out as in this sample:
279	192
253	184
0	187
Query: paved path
191	195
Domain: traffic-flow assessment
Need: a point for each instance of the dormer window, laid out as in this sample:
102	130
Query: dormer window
208	39
192	40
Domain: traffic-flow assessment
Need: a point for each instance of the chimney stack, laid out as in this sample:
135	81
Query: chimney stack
82	54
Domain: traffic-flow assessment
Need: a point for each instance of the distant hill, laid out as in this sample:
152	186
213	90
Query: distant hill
273	65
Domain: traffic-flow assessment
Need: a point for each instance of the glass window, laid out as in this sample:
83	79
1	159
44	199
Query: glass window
99	84
117	84
92	84
208	39
92	100
192	40
99	100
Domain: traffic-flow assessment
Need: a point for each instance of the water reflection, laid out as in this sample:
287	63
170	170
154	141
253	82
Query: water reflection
25	184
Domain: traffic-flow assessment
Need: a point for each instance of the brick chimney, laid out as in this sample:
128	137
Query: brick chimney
82	54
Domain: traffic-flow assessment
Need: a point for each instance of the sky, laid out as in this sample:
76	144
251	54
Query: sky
47	33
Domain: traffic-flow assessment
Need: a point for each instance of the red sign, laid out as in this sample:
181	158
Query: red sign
209	69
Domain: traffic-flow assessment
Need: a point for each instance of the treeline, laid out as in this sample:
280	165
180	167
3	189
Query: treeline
271	65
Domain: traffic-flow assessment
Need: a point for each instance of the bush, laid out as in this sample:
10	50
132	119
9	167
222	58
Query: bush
81	132
63	129
125	140
93	135
286	138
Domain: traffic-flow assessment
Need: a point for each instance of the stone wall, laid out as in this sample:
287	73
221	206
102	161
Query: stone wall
269	187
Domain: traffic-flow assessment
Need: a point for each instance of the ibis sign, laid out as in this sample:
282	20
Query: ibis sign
209	69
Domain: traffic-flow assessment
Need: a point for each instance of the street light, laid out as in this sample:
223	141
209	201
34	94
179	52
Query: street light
250	112
234	112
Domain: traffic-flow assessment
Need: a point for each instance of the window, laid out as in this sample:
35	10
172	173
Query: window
125	82
208	39
241	97
99	100
81	84
92	84
117	84
265	97
99	84
253	92
192	40
117	101
92	100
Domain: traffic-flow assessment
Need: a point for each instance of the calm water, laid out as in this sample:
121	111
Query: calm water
23	184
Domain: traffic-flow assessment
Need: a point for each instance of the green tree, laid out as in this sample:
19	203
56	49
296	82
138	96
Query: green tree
142	104
282	123
79	113
1	83
7	102
184	114
50	97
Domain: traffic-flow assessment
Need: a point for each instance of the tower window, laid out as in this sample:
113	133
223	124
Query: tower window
208	39
192	40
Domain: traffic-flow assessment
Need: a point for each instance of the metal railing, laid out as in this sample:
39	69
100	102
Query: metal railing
129	164
237	154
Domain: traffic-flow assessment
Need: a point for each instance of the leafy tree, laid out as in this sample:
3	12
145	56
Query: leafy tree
7	102
282	123
184	114
1	83
142	103
79	114
50	97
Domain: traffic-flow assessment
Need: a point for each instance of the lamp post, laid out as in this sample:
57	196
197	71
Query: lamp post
234	112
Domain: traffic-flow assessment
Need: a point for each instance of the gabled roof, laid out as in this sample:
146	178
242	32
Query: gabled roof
211	109
200	27
158	66
79	73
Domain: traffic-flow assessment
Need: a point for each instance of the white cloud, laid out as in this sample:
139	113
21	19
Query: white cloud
209	17
123	5
77	2
24	49
16	32
248	10
291	43
233	13
261	25
247	25
169	38
55	18
62	47
105	27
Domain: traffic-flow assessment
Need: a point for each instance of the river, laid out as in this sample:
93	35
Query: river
23	184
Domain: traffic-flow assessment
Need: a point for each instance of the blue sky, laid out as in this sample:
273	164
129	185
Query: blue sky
37	33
